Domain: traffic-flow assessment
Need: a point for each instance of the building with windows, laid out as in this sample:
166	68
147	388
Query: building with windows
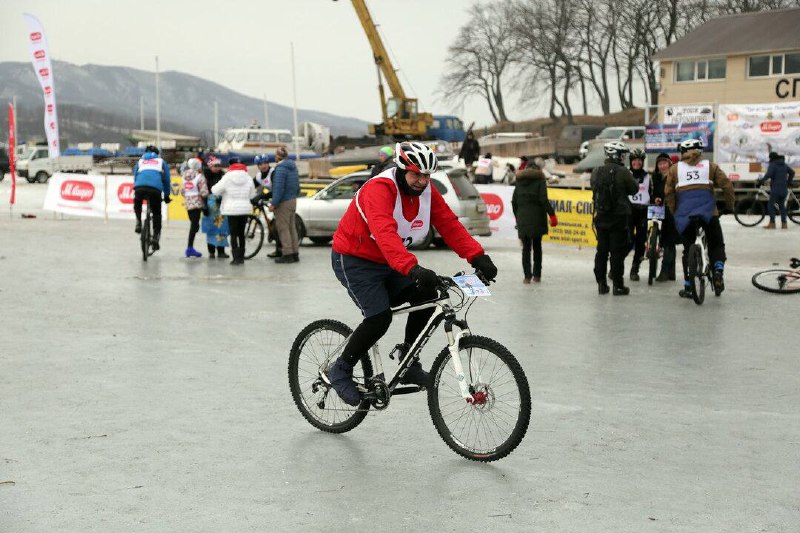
738	59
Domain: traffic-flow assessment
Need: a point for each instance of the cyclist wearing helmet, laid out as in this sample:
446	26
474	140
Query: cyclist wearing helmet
263	183
612	183
688	193
370	257
264	174
637	225
150	182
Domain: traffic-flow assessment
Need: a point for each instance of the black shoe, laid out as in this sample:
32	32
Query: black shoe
634	276
154	242
340	376
662	276
719	282
415	375
274	254
621	291
602	288
296	258
212	255
686	292
287	259
223	255
138	228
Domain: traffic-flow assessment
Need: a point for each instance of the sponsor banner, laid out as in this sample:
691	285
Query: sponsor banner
93	195
573	208
498	207
747	133
40	57
176	210
684	114
665	137
76	194
12	149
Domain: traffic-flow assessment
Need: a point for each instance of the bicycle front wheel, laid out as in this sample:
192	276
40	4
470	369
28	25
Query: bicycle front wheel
652	255
253	236
793	209
777	281
494	422
749	212
696	274
314	349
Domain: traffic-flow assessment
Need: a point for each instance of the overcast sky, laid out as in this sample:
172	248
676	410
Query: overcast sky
245	45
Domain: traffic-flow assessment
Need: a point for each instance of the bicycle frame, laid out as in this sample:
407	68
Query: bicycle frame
455	329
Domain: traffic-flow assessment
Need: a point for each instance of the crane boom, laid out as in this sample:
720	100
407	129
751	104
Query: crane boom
378	50
401	118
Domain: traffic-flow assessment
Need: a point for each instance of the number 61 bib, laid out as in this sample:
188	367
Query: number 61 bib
693	175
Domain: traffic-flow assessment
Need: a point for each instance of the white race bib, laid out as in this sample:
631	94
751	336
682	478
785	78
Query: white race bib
643	196
152	164
191	187
410	231
694	175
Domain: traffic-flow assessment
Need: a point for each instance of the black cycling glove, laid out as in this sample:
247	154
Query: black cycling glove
167	199
485	265
424	278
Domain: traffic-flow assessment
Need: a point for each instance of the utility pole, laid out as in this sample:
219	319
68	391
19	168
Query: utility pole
158	110
294	98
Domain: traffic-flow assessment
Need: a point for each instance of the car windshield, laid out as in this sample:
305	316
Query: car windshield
611	133
464	189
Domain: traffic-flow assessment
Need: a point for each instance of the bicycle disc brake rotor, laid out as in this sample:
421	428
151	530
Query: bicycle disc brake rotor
482	397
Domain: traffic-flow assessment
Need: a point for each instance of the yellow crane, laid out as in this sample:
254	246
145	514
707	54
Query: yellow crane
401	117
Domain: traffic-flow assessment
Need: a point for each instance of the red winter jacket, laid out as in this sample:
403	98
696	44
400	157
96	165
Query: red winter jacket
377	198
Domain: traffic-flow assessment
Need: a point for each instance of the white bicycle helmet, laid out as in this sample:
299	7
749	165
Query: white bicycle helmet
615	149
416	157
690	144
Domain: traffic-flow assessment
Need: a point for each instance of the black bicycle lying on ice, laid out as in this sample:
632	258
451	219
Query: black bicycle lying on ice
478	397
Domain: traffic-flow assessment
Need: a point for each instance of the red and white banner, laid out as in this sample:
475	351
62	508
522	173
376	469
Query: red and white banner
92	195
40	56
12	148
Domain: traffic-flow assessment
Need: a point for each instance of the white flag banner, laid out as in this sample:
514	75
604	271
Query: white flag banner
40	56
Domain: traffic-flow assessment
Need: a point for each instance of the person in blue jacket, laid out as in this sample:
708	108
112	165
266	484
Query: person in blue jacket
150	182
781	176
285	190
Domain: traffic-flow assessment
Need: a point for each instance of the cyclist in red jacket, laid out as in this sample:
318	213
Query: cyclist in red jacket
391	211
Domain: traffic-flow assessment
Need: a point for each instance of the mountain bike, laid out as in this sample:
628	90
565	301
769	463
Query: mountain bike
478	395
254	230
655	217
751	210
699	265
146	237
779	281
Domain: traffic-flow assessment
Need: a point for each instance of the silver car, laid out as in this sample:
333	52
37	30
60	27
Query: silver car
318	216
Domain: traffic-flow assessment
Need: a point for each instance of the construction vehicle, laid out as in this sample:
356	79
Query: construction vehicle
401	117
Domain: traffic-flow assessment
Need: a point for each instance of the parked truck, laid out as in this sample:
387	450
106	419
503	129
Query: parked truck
36	165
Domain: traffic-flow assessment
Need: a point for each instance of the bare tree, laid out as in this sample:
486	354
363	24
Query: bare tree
481	58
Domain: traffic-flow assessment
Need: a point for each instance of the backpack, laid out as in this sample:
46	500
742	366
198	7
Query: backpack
605	196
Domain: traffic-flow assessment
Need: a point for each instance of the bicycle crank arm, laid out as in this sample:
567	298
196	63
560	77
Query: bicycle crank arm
407	390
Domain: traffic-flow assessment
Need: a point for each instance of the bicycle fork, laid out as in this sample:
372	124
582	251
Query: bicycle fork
453	340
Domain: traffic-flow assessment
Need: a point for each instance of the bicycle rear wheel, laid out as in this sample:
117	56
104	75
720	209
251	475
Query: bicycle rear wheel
495	422
777	281
749	212
793	209
314	349
652	254
145	235
696	274
253	236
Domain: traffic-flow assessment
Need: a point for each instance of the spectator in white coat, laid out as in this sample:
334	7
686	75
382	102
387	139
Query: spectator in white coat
236	188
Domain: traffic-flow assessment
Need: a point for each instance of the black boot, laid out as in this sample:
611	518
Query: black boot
602	288
154	241
275	254
621	290
138	228
221	253
635	271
